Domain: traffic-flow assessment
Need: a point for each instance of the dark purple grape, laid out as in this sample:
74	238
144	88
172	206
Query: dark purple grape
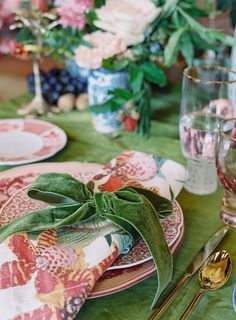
65	79
70	88
46	87
58	87
56	83
52	80
49	99
64	73
55	96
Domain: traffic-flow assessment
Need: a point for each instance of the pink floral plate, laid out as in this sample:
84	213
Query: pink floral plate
117	280
172	227
129	269
20	204
28	140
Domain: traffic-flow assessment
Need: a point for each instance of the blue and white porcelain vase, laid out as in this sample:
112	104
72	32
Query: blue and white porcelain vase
100	82
77	72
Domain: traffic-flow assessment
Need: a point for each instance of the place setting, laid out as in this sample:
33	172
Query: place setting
132	267
117	195
46	211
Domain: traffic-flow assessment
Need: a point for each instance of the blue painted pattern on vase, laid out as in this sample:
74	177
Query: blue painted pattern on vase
77	72
99	83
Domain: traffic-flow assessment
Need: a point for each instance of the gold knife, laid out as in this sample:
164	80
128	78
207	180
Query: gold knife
198	260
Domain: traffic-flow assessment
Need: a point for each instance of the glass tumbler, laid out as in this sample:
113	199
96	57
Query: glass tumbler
206	92
226	169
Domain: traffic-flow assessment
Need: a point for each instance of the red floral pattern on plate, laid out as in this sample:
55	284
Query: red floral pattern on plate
20	204
139	253
113	280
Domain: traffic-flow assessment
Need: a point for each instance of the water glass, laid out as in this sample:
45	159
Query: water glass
205	101
226	169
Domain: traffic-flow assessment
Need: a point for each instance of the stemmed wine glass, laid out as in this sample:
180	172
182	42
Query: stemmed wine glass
206	92
226	168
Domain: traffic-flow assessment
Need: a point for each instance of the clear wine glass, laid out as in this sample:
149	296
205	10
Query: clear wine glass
206	92
226	168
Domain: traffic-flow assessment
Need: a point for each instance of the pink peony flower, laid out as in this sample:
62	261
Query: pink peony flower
72	12
7	9
105	45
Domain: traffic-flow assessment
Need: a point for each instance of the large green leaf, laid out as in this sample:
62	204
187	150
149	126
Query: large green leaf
208	35
221	37
168	8
136	78
194	25
153	73
114	65
111	105
172	47
187	48
122	93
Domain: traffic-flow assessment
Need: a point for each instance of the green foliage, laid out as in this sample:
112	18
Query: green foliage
153	73
99	3
25	36
115	65
186	48
175	33
136	78
173	46
118	98
63	41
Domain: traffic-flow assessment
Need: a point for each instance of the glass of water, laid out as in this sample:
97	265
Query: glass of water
226	168
206	100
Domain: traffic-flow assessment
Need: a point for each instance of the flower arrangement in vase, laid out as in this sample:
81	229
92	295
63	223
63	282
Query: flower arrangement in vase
127	45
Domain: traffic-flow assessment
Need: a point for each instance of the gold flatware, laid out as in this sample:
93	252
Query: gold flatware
213	274
198	260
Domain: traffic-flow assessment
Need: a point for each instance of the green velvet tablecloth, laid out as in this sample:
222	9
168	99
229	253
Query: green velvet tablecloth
201	214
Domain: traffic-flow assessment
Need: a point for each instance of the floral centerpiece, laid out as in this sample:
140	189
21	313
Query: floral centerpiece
138	38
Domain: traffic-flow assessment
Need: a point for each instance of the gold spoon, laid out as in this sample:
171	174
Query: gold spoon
213	274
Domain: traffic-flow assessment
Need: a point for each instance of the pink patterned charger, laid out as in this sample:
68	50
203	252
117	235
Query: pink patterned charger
25	141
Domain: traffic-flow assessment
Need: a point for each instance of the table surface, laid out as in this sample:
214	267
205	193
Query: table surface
201	213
